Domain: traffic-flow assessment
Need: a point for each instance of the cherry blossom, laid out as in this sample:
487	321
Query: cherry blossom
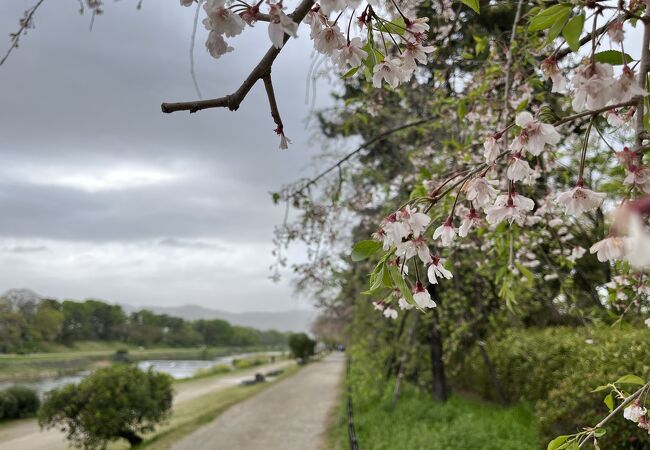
534	134
468	221
509	207
550	70
446	232
422	297
637	244
351	55
221	19
413	52
388	70
518	168
328	6
329	40
217	45
608	249
626	87
634	412
436	269
403	304
615	31
480	191
638	176
422	249
580	200
491	149
593	86
390	313
647	322
280	24
417	221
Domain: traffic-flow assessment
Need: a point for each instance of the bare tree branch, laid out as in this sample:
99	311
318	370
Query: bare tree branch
260	71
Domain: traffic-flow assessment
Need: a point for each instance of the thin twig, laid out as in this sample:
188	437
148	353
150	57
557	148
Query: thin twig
366	144
25	24
275	113
192	45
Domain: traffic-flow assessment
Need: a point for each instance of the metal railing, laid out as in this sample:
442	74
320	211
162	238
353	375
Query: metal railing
352	433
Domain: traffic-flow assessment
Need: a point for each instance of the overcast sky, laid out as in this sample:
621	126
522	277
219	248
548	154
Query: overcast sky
102	195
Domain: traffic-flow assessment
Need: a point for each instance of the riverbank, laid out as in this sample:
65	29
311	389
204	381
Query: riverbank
196	402
37	366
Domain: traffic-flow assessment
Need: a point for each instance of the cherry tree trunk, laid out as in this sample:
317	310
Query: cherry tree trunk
439	380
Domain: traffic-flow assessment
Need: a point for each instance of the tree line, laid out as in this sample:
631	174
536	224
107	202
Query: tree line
25	326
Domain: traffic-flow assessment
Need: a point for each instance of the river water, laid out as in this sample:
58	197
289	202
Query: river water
178	369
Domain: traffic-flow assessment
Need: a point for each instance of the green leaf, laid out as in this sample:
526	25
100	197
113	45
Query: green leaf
525	272
364	249
613	57
572	31
557	442
397	26
350	73
472	4
609	401
600	432
401	284
549	16
557	27
630	379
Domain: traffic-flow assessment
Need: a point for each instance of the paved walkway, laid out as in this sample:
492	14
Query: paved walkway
291	415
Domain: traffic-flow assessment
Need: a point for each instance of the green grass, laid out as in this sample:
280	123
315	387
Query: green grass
419	423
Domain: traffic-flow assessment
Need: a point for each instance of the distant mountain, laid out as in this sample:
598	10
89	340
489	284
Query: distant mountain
293	320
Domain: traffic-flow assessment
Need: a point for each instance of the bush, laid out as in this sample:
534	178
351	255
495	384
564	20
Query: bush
8	406
27	400
116	402
556	369
301	346
17	402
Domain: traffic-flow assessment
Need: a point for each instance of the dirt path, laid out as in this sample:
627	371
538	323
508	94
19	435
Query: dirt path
292	415
26	434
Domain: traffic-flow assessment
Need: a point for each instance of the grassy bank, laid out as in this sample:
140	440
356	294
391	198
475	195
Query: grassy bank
90	355
420	423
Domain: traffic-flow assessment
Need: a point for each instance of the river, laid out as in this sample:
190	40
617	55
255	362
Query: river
177	368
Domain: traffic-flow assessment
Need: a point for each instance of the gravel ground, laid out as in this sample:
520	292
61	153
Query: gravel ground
26	434
291	415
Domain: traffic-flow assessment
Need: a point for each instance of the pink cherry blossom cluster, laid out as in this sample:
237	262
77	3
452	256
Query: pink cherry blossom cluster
636	413
392	64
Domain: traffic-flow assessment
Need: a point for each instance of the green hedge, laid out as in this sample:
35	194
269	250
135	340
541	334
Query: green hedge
556	369
17	402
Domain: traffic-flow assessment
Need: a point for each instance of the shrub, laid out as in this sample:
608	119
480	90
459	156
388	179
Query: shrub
301	346
116	402
556	369
8	406
17	402
27	401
